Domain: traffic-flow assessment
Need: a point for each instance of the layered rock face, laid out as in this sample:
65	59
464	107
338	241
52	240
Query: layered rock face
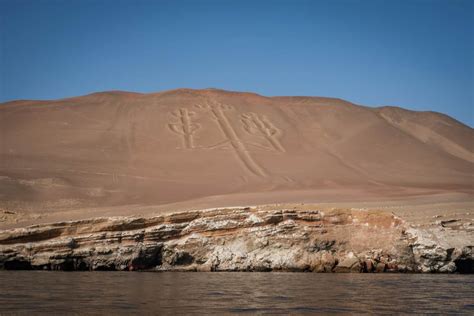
237	239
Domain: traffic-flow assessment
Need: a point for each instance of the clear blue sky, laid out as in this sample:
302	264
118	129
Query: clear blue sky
416	54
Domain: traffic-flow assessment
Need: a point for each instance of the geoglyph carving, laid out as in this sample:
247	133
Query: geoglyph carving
260	125
254	124
184	126
218	112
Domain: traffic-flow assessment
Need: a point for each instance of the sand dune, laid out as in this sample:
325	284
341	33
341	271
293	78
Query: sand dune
117	148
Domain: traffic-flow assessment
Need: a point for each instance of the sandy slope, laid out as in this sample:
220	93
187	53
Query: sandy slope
119	152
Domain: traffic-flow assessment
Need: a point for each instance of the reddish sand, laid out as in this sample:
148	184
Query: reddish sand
118	153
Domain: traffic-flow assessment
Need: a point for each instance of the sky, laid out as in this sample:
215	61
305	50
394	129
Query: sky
417	54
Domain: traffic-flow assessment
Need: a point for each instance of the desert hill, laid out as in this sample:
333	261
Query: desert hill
113	149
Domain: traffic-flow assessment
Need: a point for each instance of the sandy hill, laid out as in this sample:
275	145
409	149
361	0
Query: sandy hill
117	149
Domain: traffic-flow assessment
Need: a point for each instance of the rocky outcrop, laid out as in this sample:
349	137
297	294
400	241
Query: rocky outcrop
237	239
435	252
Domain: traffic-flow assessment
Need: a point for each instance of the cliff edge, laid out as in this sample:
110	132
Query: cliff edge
240	239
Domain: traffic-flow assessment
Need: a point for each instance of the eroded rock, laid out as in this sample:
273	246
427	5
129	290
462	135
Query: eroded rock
239	239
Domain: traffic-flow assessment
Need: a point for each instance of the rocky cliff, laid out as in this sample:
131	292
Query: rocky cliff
236	239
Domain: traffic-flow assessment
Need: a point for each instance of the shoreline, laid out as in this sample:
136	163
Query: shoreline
243	239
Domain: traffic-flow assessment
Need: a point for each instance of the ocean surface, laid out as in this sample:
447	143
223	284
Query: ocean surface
222	293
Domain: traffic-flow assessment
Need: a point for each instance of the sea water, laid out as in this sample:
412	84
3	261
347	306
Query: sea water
228	292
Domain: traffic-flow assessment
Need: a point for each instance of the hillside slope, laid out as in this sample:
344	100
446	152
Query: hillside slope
118	148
